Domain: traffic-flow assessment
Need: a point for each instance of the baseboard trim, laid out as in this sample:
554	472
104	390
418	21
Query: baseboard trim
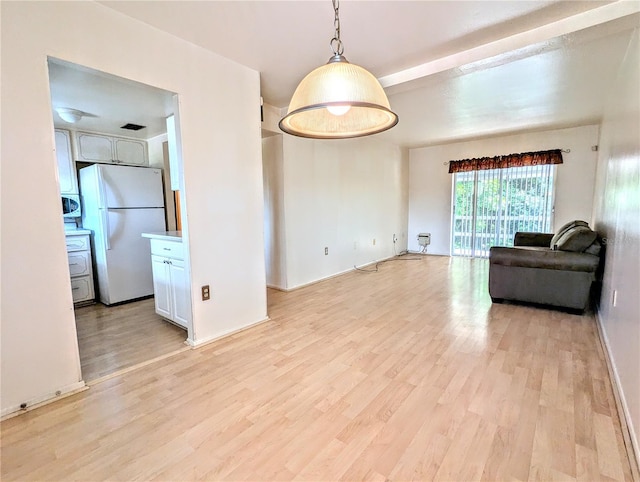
278	288
335	275
628	432
320	280
429	254
43	400
200	343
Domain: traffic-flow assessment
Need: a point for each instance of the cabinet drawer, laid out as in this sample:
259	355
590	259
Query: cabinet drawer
79	263
78	243
82	289
169	249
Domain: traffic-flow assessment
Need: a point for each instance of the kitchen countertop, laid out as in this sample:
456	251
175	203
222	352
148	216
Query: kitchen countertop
76	232
166	235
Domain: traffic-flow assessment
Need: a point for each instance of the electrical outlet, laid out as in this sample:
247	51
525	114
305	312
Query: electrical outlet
326	251
374	241
205	293
394	238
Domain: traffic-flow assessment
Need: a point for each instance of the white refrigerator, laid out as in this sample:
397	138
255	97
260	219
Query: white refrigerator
119	203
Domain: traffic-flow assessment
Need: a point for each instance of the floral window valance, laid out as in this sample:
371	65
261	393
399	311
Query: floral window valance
502	162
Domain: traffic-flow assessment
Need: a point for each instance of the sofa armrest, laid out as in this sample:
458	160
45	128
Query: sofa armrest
532	239
543	258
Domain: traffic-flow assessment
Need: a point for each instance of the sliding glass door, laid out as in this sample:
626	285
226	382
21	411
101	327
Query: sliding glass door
490	206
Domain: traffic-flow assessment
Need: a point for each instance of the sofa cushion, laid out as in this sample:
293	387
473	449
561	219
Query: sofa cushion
564	229
522	238
543	258
595	248
576	239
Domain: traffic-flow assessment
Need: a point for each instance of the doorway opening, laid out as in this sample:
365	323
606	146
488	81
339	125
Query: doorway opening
119	161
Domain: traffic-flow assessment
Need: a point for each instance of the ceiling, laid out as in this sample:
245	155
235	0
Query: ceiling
564	85
107	101
484	67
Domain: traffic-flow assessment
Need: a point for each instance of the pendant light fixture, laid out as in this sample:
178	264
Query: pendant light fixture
338	100
69	115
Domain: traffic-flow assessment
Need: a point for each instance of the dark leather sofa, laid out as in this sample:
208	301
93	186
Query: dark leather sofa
557	270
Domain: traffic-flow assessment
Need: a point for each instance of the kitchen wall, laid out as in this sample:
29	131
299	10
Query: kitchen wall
159	158
430	184
222	208
617	218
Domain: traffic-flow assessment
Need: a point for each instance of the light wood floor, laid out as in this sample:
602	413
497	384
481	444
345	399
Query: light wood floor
111	338
408	373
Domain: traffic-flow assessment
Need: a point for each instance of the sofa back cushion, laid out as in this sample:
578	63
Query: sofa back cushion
564	229
576	239
595	248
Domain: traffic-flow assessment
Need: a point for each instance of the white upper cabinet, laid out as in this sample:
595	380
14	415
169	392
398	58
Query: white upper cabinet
94	148
131	152
111	149
66	166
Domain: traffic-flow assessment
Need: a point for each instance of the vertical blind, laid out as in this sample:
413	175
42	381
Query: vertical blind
490	206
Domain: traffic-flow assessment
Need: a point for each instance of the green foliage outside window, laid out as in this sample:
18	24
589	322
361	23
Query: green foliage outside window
518	199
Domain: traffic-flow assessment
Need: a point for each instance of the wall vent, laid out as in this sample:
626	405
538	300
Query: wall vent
133	127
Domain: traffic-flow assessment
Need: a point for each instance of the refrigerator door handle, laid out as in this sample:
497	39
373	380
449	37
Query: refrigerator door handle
102	194
104	226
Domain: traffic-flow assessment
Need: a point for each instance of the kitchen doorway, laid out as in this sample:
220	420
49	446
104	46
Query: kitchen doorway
118	160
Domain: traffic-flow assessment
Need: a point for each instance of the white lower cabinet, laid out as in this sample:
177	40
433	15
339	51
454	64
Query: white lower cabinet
82	289
170	285
161	285
179	293
80	269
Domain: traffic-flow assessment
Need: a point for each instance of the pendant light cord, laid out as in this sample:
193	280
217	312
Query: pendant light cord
338	100
336	43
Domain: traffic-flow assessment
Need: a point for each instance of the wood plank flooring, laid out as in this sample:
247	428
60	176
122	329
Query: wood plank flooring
409	373
112	338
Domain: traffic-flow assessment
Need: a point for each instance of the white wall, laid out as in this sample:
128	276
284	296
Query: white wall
220	123
341	195
617	217
274	227
154	147
430	184
271	115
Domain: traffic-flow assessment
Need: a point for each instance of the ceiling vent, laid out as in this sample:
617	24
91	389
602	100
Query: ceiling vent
133	127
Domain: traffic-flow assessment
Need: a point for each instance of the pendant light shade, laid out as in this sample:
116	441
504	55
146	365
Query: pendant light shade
338	100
